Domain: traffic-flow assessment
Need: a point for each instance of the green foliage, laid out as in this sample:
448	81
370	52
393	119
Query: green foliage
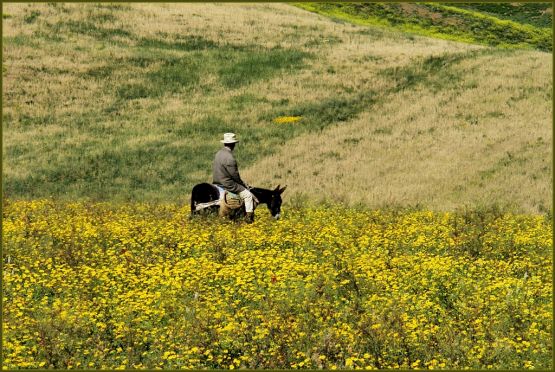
432	71
435	71
101	17
156	68
100	72
19	40
385	131
103	171
235	66
112	6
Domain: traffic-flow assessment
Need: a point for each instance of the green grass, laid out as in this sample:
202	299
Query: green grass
31	17
112	170
535	14
235	66
90	28
186	43
444	21
107	170
159	169
246	68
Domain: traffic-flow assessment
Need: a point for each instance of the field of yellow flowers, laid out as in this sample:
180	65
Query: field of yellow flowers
90	285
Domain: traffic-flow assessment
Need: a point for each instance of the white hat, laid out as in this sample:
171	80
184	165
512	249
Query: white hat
229	138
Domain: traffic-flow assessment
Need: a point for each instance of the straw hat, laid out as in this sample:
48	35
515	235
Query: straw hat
229	138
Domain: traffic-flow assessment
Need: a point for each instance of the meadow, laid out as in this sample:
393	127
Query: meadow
95	286
497	24
416	229
127	102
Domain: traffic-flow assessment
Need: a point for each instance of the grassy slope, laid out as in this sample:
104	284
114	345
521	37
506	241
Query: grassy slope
490	24
464	136
136	96
120	102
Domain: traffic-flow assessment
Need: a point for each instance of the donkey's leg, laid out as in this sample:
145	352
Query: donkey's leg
193	205
196	197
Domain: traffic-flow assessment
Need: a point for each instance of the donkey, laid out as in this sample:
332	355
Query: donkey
205	197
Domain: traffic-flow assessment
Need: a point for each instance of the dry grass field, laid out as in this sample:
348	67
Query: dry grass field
483	135
128	102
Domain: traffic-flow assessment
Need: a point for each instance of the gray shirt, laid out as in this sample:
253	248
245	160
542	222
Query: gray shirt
226	172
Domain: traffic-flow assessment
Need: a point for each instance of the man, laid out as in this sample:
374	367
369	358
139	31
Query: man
226	174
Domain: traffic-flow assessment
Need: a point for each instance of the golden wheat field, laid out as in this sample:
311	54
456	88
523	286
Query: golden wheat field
142	286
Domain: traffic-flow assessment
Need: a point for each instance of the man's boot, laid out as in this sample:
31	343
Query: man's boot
249	217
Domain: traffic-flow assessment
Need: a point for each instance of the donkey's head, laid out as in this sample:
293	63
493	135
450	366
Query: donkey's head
275	202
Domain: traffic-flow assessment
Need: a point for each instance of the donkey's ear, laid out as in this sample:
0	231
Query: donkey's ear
282	190
277	188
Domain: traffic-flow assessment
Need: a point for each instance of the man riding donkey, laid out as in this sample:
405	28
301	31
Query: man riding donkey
228	193
226	175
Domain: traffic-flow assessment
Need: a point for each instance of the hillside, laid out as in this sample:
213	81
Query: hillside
507	25
535	14
128	102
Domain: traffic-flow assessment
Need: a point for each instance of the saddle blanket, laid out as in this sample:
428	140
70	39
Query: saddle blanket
227	195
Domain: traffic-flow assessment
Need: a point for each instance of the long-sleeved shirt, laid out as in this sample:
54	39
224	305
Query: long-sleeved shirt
226	172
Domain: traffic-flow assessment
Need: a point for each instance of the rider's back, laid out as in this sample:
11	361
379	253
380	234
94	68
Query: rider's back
226	172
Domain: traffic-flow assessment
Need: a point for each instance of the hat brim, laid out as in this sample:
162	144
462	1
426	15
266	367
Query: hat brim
224	141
